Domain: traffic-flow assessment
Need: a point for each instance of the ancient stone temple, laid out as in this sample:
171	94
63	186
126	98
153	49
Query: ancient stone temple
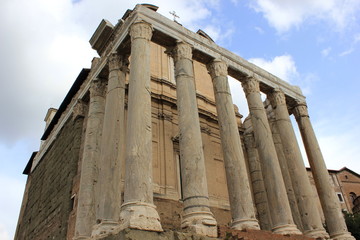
147	144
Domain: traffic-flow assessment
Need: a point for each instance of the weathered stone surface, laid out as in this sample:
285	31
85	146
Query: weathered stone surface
334	218
311	221
196	217
276	193
49	203
241	204
138	210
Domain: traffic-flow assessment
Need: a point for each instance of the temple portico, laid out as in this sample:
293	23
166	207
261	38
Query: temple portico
124	129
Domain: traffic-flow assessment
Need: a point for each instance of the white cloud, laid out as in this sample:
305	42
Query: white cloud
284	15
259	30
325	52
346	52
281	66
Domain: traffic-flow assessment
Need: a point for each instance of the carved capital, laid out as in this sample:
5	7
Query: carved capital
217	68
182	50
165	116
300	110
79	109
118	62
277	98
97	88
250	85
141	30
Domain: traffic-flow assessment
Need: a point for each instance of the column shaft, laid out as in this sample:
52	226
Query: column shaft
278	203
196	215
257	180
333	216
241	204
138	210
310	216
284	168
111	156
85	215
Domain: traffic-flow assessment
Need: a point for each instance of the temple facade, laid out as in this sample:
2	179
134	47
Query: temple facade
149	139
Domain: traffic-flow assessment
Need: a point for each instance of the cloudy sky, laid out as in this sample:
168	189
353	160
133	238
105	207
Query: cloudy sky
44	45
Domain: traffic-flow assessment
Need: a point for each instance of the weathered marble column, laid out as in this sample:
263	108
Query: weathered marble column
310	216
197	216
241	204
283	166
85	215
111	157
138	210
276	193
257	180
333	216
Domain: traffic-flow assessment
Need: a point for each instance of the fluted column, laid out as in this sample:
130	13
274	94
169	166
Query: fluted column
85	215
241	204
278	203
196	215
333	216
109	193
138	210
310	216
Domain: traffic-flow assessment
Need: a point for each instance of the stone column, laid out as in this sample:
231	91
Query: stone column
85	215
284	167
276	193
310	216
333	216
138	210
196	216
257	180
111	157
241	203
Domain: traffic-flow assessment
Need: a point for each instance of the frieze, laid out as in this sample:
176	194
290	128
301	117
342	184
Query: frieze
250	85
217	68
141	30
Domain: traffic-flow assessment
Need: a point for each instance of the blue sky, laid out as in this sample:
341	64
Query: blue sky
44	45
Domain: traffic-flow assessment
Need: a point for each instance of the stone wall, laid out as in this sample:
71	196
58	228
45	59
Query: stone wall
49	204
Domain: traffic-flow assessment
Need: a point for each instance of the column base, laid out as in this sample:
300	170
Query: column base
242	224
202	223
290	229
342	236
140	215
105	228
320	234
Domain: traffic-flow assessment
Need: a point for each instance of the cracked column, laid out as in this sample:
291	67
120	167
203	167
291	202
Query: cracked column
241	203
108	212
85	215
275	188
138	210
309	214
334	218
196	216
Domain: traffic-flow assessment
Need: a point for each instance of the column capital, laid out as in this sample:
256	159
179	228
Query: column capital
79	109
97	88
250	85
181	51
118	62
300	110
141	29
217	68
277	98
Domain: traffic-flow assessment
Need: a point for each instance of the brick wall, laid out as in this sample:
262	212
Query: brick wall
49	203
